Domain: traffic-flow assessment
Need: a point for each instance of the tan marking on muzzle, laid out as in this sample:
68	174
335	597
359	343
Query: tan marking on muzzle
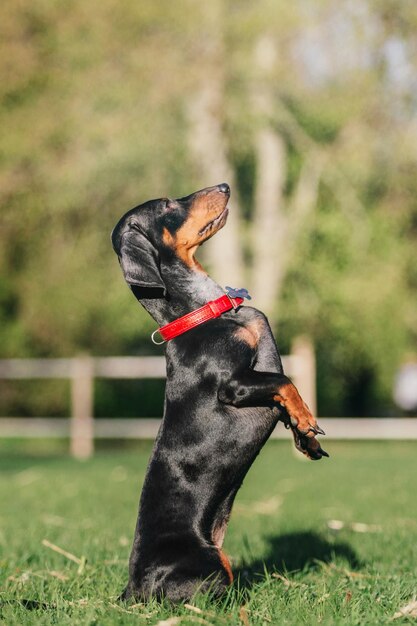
206	208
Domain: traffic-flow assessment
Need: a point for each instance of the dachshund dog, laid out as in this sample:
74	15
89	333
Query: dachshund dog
225	392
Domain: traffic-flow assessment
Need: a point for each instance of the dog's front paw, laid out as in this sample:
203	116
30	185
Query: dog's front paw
308	445
302	423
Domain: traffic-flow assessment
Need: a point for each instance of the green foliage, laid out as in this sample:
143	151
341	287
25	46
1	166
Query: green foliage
351	297
93	108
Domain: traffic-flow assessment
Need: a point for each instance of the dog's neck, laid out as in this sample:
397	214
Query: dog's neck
188	288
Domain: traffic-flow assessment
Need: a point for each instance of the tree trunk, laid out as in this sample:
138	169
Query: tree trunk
223	253
270	222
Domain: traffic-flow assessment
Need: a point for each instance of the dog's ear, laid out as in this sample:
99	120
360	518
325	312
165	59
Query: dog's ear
140	264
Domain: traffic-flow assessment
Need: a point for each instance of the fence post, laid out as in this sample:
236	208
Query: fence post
303	349
82	423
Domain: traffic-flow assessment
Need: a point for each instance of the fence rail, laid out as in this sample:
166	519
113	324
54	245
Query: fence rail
81	428
110	428
102	367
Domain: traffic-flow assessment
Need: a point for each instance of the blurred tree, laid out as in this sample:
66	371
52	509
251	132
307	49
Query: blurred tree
207	139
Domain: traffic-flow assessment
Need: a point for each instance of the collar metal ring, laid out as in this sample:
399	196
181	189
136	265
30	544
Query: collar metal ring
157	343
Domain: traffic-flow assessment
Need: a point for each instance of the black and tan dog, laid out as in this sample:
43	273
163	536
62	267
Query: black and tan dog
225	392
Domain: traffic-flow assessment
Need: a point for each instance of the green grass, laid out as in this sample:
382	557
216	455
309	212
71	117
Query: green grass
293	568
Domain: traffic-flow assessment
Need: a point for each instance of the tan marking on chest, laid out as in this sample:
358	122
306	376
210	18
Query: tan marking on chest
251	333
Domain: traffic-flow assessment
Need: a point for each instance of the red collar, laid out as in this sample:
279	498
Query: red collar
209	311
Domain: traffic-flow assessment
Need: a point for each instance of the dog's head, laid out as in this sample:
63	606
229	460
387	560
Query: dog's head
162	228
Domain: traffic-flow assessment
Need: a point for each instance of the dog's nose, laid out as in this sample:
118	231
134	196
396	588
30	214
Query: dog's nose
224	188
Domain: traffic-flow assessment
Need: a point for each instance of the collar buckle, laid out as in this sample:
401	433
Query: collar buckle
233	302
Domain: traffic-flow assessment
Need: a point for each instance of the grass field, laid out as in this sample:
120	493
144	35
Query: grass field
292	568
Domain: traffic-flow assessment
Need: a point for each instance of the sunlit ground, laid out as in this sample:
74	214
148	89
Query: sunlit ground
331	542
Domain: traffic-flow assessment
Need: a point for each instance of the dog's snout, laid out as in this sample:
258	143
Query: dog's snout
224	188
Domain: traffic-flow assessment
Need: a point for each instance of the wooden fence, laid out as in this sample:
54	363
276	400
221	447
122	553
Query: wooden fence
81	428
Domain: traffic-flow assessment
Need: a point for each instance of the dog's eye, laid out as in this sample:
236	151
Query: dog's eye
135	226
